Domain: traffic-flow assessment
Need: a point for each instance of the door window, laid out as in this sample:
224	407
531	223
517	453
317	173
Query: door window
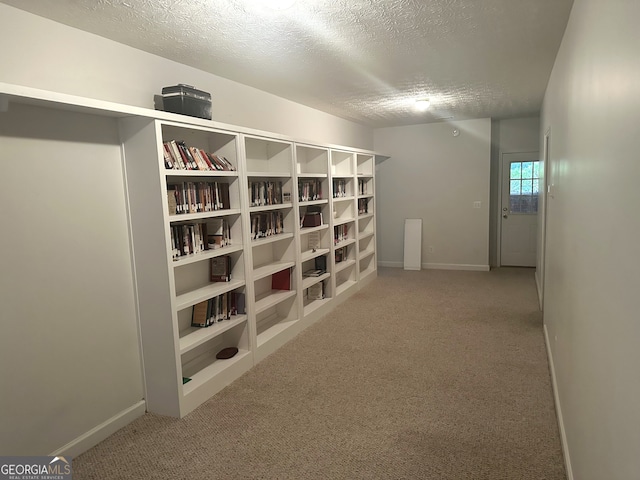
523	187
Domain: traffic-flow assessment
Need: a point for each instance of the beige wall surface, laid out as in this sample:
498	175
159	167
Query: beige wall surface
69	342
55	57
592	267
438	177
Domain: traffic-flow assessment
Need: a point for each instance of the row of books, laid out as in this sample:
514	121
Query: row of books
309	190
362	186
192	238
340	233
217	309
341	254
196	197
265	193
363	206
339	187
266	224
178	156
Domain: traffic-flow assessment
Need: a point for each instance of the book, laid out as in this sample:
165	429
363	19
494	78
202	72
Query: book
238	304
316	291
172	203
199	314
220	269
281	280
321	263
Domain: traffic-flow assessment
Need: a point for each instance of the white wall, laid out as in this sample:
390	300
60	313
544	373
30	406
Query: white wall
511	135
592	282
437	177
69	341
55	57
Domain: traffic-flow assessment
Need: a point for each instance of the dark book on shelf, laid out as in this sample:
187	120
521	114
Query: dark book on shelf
281	280
312	219
238	303
220	270
224	195
321	263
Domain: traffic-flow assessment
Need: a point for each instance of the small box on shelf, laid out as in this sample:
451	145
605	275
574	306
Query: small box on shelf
186	100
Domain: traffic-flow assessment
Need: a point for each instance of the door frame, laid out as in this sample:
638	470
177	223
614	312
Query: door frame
542	214
498	212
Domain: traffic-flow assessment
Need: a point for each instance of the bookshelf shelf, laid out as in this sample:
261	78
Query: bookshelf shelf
187	174
345	243
314	202
310	281
344	265
271	299
273	331
189	217
311	305
305	230
270	269
208	369
312	175
271	239
269	174
342	221
366	253
344	286
206	255
363	235
310	254
343	199
267	208
189	299
194	337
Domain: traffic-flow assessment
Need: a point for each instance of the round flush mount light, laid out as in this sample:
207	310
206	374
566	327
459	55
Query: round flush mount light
422	104
455	132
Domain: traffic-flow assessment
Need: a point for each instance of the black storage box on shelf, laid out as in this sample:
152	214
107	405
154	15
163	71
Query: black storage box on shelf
186	100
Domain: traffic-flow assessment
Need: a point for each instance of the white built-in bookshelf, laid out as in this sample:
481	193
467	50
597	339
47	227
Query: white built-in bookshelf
292	223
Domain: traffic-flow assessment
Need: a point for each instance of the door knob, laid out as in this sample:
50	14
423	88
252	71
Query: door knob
505	215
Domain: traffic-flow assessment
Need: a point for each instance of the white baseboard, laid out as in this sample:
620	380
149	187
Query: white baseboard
539	289
439	266
390	264
456	266
94	436
563	435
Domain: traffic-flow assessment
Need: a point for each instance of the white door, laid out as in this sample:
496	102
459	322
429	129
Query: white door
519	209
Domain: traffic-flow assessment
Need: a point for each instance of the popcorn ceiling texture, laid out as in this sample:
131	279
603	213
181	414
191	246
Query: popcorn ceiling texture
363	60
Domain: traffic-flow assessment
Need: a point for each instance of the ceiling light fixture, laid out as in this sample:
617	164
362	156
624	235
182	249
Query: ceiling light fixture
423	104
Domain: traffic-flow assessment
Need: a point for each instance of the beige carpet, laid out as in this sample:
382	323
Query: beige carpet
422	375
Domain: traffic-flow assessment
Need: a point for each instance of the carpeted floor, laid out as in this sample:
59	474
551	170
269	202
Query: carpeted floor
422	375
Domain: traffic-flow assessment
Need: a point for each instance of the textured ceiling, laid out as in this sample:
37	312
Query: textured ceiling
363	60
